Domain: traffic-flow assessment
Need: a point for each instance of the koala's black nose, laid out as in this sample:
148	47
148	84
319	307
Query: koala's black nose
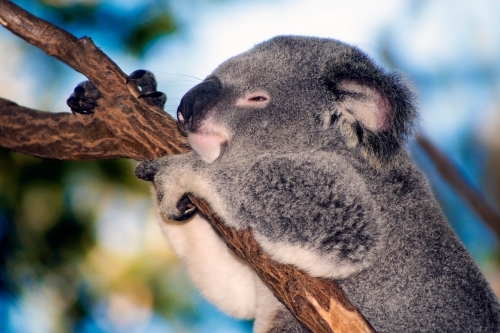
147	170
196	103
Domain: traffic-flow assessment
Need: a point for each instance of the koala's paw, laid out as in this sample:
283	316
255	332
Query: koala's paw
171	209
84	98
145	81
167	175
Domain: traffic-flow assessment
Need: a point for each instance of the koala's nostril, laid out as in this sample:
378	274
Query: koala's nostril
196	102
146	170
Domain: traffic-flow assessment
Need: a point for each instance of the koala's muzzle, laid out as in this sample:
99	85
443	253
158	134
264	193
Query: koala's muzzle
196	103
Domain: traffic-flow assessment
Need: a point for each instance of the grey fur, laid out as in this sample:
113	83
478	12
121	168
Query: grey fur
327	186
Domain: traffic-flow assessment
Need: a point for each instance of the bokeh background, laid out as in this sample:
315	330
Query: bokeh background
80	248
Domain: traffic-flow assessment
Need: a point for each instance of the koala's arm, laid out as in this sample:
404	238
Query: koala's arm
222	278
310	210
173	177
227	281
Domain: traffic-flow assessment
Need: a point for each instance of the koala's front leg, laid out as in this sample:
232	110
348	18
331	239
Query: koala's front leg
174	177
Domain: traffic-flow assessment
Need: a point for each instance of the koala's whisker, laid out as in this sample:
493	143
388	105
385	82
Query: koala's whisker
185	75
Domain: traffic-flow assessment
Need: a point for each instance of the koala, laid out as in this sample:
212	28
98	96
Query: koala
302	141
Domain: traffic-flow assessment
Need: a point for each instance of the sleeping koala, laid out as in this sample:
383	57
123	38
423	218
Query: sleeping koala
301	140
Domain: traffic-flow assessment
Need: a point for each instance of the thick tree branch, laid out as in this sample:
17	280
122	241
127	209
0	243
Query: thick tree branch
113	131
124	126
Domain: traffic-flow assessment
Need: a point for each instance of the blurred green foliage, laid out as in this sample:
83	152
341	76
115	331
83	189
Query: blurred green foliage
45	234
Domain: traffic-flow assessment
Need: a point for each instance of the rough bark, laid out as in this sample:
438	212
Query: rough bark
101	135
122	125
125	126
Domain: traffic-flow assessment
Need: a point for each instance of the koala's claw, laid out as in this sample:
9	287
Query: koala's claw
156	98
146	83
186	207
152	94
84	98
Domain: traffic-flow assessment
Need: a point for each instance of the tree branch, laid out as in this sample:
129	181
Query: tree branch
122	126
113	131
125	126
471	196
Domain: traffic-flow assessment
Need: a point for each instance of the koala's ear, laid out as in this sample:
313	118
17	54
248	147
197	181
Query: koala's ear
375	109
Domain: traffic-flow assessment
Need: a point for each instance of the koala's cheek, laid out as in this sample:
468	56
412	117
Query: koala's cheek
208	146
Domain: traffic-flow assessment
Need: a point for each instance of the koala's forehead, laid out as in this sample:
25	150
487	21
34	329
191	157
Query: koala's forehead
279	60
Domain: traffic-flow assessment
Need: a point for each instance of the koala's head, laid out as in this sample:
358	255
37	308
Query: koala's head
294	93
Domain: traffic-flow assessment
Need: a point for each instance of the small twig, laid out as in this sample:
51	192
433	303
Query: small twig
471	196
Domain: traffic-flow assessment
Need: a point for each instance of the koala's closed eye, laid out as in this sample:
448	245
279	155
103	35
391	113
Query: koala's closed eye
258	99
255	99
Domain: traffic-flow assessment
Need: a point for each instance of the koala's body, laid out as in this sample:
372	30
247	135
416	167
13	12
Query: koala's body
302	141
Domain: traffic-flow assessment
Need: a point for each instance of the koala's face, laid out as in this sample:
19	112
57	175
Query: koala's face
289	94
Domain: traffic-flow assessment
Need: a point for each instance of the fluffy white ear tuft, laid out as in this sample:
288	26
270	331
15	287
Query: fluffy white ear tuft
365	104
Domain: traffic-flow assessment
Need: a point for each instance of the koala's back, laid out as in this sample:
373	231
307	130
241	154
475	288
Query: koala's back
425	281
